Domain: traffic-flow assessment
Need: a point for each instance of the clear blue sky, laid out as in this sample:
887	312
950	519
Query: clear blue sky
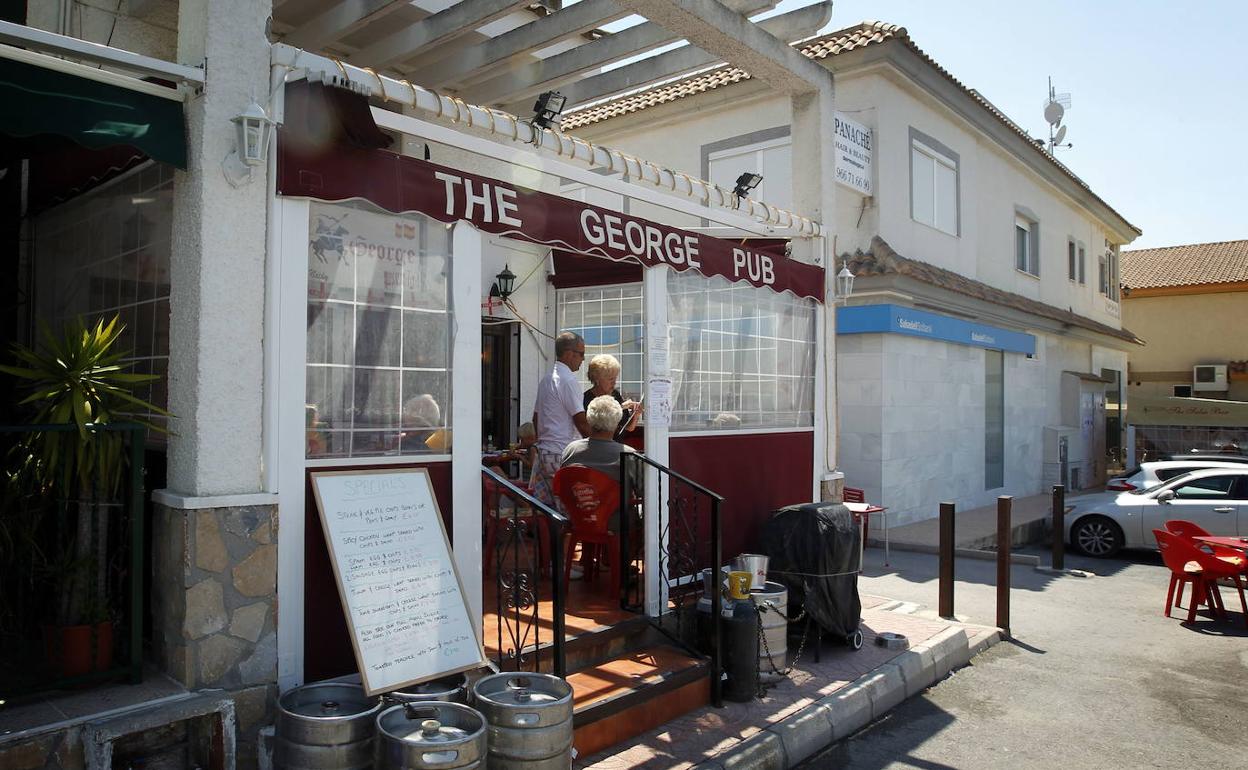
1160	96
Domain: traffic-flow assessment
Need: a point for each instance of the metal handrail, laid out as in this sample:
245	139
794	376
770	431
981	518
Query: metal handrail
716	640
558	524
679	477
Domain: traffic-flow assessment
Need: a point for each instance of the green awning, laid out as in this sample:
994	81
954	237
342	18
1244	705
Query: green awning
41	101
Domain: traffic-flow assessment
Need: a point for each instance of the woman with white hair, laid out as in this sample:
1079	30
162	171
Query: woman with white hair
604	370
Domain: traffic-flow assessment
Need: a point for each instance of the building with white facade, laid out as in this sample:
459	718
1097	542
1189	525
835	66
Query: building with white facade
318	301
982	352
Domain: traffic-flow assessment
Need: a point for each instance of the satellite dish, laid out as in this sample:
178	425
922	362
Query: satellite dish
1053	112
1060	135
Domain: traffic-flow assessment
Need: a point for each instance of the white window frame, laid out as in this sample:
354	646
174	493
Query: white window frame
1072	259
1083	260
750	157
1030	262
938	159
631	389
1109	273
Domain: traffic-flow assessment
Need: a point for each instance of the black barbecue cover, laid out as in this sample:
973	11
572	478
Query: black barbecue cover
815	550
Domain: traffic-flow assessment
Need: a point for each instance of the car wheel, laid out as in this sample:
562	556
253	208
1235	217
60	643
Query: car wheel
1096	536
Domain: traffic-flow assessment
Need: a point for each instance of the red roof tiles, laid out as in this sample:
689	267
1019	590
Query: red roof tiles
1195	264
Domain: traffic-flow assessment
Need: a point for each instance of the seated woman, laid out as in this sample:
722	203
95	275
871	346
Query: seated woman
522	453
600	451
603	371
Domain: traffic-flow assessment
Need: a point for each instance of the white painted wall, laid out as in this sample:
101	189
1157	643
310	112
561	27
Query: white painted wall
151	32
912	418
216	361
992	182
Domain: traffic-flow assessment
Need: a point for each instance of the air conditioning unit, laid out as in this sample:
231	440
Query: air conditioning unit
1209	377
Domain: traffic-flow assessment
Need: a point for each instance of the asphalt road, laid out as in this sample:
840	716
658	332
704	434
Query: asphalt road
1095	677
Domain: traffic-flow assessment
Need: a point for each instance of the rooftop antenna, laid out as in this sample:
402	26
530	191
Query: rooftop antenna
1055	108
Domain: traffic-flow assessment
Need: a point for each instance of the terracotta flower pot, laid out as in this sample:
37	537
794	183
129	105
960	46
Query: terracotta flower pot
77	650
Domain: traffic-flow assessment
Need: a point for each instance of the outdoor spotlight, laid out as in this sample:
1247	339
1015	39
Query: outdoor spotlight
844	282
745	183
547	108
505	282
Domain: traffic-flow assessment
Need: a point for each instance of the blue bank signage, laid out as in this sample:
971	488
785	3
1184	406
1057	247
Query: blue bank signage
895	319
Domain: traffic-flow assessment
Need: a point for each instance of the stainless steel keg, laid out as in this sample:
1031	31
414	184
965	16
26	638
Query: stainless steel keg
448	689
424	735
326	726
530	720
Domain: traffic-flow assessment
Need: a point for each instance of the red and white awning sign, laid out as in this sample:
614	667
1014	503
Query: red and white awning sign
399	183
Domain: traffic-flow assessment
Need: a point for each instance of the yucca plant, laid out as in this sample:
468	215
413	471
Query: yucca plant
79	378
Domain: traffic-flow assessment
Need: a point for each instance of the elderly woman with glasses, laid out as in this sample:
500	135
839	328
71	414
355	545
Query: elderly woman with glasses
603	372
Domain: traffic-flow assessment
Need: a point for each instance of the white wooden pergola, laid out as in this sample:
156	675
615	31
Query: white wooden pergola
502	53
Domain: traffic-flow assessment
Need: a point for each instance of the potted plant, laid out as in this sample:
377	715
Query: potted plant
79	379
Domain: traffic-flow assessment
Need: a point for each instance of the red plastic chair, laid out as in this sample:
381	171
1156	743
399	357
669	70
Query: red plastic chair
1191	531
1189	564
589	497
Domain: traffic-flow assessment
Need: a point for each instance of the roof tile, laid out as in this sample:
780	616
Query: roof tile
882	260
1195	264
821	47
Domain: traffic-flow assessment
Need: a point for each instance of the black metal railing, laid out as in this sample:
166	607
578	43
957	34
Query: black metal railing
690	541
71	567
524	548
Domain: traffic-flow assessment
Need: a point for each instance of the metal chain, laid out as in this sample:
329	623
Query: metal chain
762	640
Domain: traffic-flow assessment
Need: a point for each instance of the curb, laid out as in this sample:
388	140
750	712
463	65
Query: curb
1027	559
791	741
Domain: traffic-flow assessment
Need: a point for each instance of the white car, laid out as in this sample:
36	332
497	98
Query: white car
1152	473
1215	499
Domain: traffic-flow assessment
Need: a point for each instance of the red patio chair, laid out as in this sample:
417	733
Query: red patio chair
589	497
1189	564
1191	531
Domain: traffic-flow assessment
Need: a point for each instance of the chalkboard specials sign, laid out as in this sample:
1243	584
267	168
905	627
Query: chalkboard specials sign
404	601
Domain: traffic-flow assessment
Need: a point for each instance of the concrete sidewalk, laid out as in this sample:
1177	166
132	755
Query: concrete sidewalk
975	528
818	704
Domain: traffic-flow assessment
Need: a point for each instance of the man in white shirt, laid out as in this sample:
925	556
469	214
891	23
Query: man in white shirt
559	414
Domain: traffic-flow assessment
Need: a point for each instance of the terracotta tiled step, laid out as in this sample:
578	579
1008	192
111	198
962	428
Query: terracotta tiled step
634	692
589	610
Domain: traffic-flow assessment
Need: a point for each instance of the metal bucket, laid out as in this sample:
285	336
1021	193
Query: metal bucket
772	601
447	689
327	726
756	565
530	720
430	734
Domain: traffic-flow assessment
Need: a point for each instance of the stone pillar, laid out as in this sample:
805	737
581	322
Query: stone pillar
214	604
214	596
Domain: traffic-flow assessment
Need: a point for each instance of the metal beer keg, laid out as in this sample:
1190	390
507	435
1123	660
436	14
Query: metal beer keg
772	601
530	720
448	689
430	734
327	726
